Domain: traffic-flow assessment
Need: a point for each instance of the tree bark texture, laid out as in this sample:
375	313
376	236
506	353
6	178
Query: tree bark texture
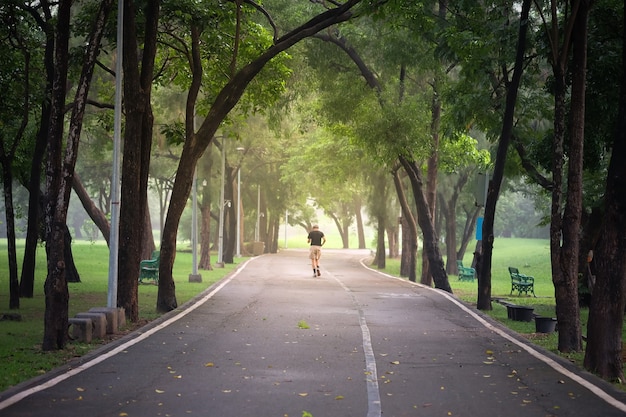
603	354
484	277
137	147
35	210
95	214
431	242
408	263
567	307
55	288
14	285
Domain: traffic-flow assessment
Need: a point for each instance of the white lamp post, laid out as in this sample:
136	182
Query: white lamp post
115	180
239	149
220	245
258	214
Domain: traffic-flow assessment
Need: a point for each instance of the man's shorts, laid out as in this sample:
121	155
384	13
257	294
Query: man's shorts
315	252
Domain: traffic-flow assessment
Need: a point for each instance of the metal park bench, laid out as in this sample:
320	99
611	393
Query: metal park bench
521	283
465	273
149	268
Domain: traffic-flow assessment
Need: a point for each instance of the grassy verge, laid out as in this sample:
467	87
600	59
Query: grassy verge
21	357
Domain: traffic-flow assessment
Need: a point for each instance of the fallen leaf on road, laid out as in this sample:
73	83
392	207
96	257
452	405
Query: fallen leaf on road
158	391
395	363
209	364
303	394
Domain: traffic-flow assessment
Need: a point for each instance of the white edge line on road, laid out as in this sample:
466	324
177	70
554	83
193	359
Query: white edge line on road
100	358
550	362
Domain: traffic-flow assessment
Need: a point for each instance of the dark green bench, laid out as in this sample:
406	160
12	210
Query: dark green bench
465	273
521	283
149	268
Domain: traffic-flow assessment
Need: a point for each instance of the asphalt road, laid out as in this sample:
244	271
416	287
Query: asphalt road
272	341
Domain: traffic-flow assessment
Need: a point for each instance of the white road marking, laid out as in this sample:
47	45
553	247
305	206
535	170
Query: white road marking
599	392
100	358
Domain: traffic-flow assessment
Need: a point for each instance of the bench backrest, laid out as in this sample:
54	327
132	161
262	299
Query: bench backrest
513	270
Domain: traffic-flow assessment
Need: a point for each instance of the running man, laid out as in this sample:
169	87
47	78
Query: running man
316	239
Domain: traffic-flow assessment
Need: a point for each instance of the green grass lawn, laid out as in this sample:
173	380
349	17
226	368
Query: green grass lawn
20	341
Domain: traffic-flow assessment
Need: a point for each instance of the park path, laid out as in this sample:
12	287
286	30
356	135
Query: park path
272	341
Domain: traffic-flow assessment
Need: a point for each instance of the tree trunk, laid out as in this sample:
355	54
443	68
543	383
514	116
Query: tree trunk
71	273
431	241
408	263
137	147
55	288
359	223
484	277
60	172
468	231
381	252
148	246
603	355
7	180
432	170
95	214
566	293
35	227
562	246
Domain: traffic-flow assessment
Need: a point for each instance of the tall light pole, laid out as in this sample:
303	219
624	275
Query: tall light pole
220	245
239	149
258	213
115	180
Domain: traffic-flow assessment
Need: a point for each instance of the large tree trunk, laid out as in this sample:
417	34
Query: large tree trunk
71	272
137	147
359	223
566	290
381	252
431	241
603	354
195	145
7	181
34	229
408	263
468	231
484	269
60	170
432	168
55	288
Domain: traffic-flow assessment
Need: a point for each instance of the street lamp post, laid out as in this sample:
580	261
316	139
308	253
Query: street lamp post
239	149
238	213
258	214
220	245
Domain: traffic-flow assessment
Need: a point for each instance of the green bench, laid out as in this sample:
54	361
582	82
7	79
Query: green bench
465	273
521	283
149	268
